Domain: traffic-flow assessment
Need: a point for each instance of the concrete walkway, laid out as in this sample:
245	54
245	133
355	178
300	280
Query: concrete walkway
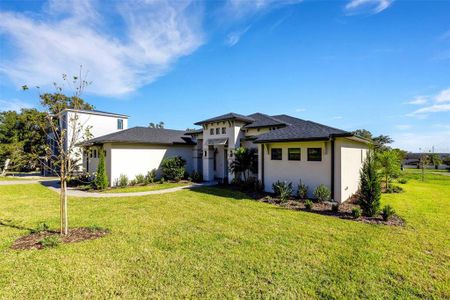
72	192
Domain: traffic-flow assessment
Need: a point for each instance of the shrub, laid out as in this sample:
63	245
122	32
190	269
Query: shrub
140	179
387	212
101	179
370	187
173	168
196	177
403	181
123	180
335	207
322	193
394	189
151	176
50	241
40	227
302	190
162	181
133	182
308	204
356	212
283	190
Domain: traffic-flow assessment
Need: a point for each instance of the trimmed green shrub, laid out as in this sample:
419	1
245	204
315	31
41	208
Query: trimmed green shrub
173	168
140	179
302	190
394	189
308	204
101	179
51	241
132	182
370	187
283	189
402	180
151	176
123	180
196	177
387	212
322	193
356	212
162	180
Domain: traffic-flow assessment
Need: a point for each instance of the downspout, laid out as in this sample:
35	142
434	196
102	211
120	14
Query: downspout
332	168
262	165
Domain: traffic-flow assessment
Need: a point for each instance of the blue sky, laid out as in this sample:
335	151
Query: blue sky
381	65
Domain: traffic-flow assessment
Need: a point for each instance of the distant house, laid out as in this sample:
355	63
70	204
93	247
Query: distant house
289	149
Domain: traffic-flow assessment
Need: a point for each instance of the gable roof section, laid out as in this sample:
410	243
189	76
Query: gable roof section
300	130
263	120
144	135
229	116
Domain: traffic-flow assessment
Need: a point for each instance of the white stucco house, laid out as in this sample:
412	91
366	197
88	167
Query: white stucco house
288	148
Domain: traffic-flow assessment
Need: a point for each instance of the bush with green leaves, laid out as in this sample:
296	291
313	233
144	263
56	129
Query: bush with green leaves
132	182
196	177
370	187
101	179
40	227
123	180
394	189
387	212
51	241
322	193
162	180
402	180
151	176
302	190
140	178
283	189
173	168
356	212
308	204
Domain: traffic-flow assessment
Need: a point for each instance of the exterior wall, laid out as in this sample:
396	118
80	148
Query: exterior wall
350	156
311	173
134	159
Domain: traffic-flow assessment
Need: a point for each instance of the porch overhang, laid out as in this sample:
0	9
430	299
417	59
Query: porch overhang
218	142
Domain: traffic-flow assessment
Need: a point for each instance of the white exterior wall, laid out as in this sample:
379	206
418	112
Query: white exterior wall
134	159
312	173
350	156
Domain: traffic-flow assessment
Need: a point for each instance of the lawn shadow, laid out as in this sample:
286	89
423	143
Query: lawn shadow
221	191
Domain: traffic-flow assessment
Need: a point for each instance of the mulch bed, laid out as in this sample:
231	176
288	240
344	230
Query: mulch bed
344	212
75	235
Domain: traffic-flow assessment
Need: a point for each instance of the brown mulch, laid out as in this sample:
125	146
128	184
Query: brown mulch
344	212
75	235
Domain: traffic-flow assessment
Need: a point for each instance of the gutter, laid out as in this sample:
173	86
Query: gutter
332	167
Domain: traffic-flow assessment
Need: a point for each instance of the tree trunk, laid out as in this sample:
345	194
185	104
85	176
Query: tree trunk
386	181
66	218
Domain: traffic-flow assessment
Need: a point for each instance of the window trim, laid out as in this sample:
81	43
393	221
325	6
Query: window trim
224	130
217	130
211	131
120	124
272	154
299	154
315	148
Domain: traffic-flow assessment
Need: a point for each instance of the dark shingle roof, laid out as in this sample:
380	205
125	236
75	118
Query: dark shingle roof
298	130
263	120
228	116
144	135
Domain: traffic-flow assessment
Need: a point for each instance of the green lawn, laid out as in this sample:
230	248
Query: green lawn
145	188
11	178
212	243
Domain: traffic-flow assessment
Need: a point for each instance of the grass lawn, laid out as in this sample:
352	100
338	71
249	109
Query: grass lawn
151	187
11	178
213	243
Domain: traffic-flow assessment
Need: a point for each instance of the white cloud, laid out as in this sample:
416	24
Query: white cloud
418	100
70	34
430	109
337	117
403	127
243	8
300	109
366	6
234	37
413	141
14	104
443	96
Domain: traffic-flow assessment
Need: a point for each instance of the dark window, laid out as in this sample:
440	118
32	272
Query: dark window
276	154
217	130
119	124
294	154
314	154
224	130
211	131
